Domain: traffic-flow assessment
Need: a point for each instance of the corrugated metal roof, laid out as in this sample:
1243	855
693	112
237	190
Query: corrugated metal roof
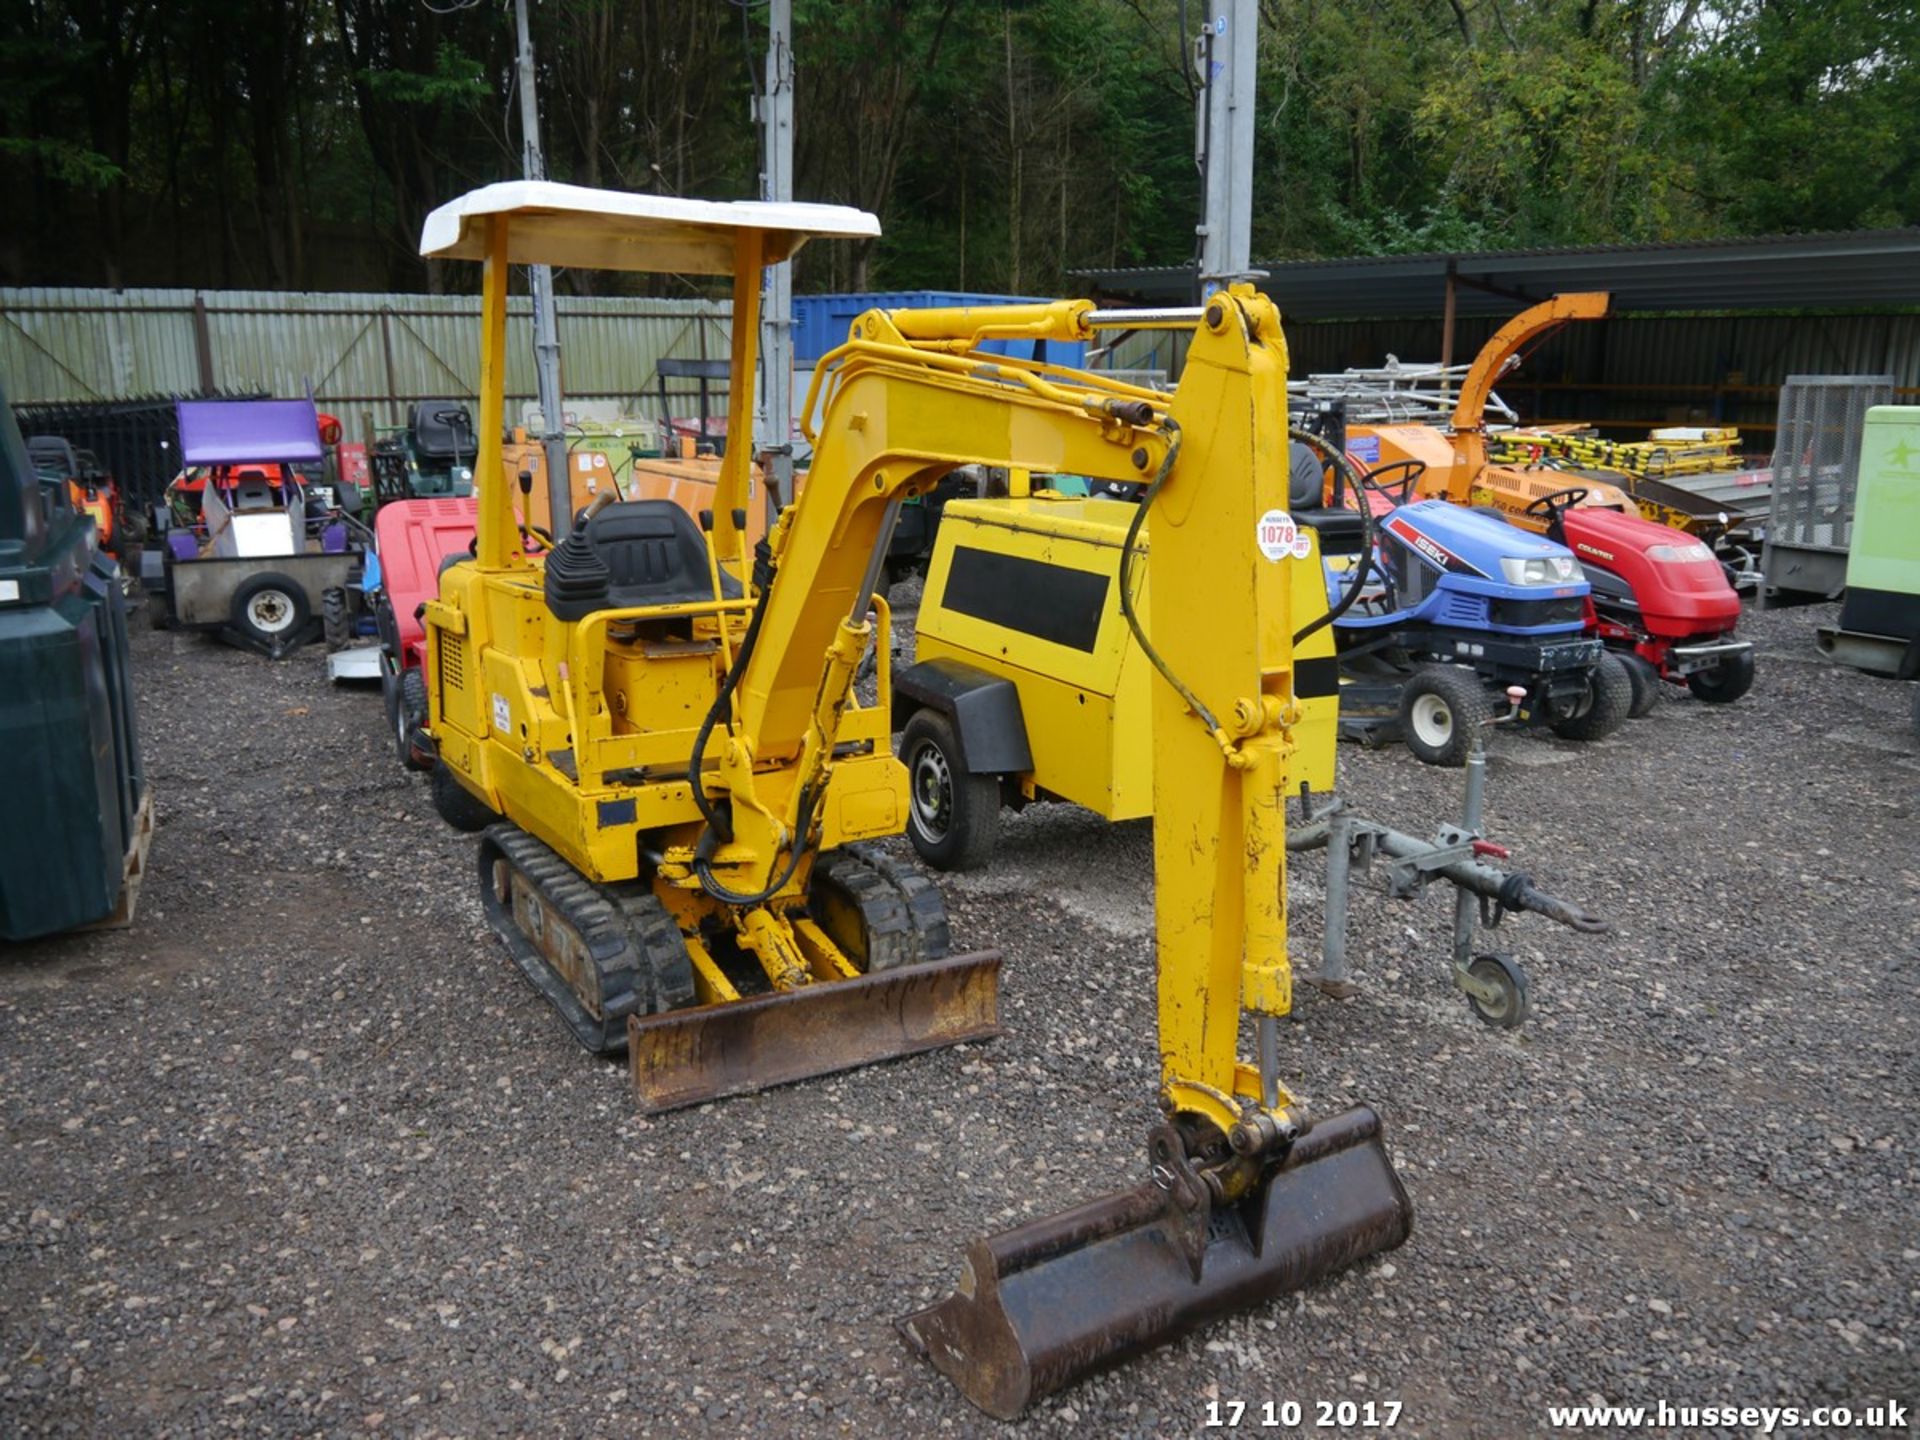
1855	270
1630	372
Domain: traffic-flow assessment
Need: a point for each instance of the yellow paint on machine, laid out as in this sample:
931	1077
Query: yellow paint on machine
1087	710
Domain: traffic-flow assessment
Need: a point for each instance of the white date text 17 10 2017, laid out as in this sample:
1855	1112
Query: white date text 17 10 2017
1294	1415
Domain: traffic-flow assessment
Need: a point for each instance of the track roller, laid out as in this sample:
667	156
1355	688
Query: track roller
598	954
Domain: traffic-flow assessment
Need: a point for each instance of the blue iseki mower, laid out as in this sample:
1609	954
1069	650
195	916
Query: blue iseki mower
1438	611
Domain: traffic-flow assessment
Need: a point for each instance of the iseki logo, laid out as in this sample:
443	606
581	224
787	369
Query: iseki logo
1432	551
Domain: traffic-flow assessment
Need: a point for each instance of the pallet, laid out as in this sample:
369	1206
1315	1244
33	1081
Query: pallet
133	871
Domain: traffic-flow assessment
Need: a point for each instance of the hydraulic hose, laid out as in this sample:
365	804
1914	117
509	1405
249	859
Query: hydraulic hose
1359	576
703	864
1171	429
719	822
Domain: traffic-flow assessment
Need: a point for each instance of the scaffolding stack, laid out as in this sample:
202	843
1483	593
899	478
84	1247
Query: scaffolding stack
1665	455
1394	394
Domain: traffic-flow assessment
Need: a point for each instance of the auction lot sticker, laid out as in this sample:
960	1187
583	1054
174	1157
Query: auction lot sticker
1278	537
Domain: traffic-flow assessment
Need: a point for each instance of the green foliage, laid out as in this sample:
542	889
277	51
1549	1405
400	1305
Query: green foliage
1802	116
1003	143
1057	134
1386	231
66	162
455	79
35	73
1543	151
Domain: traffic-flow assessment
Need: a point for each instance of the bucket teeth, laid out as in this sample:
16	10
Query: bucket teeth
686	1057
1041	1306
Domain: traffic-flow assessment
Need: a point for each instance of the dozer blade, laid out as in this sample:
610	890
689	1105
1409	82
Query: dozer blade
1043	1305
684	1057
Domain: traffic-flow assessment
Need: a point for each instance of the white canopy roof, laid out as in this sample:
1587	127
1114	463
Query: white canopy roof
553	224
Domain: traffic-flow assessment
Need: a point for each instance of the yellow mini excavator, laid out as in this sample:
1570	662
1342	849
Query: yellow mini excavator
659	736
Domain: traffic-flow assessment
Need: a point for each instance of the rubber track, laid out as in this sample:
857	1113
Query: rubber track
669	969
926	906
602	924
883	910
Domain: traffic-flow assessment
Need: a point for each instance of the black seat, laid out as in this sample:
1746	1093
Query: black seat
654	554
53	457
443	439
1341	531
1306	476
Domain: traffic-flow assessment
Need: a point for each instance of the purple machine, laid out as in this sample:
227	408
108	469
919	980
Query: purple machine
252	536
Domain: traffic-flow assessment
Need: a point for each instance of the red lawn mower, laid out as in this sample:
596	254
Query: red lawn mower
415	539
1660	600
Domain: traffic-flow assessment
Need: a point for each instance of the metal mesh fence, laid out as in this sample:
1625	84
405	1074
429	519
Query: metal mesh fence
1816	460
136	441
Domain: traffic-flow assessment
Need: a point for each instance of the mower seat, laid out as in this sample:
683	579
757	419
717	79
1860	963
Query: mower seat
1341	532
1306	477
52	457
435	438
252	493
654	554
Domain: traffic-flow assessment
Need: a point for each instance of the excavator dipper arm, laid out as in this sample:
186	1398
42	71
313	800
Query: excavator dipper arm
1247	1196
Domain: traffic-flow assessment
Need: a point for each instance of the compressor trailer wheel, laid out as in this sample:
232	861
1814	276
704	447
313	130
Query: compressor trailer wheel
953	816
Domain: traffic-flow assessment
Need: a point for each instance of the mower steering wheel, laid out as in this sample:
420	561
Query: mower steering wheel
1549	506
1396	491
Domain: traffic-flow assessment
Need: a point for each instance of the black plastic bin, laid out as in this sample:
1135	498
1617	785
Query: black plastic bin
72	789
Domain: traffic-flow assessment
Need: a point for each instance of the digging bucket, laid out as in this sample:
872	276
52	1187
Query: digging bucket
1042	1305
686	1057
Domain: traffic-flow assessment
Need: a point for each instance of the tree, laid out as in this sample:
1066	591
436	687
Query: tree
418	83
1003	143
1799	116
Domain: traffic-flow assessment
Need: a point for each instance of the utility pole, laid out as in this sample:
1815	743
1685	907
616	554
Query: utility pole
773	109
1224	55
546	331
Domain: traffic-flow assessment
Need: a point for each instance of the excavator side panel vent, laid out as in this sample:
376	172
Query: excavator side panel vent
453	661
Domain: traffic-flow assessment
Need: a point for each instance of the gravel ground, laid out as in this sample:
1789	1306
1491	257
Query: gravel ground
301	1153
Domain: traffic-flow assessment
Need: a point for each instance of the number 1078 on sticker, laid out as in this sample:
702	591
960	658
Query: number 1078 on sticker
1278	537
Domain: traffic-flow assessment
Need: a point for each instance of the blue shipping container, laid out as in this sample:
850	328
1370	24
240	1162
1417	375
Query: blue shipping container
820	322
